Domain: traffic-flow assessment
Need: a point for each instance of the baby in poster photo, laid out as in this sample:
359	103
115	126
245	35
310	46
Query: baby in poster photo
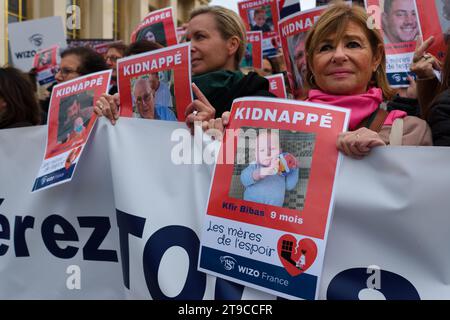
274	172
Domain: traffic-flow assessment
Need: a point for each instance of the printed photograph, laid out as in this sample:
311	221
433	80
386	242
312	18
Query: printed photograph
272	167
399	21
153	98
297	56
260	19
74	115
155	33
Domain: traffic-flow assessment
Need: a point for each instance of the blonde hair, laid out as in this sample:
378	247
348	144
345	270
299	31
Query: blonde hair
334	21
229	25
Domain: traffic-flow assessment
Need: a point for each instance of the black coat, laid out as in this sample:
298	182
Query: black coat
252	85
439	119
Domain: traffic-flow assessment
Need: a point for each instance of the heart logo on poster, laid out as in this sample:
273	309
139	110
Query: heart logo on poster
296	257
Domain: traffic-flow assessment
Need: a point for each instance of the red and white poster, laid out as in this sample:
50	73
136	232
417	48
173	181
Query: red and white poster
156	85
277	85
157	26
181	34
272	196
400	27
253	53
262	15
293	31
46	63
434	17
70	121
103	47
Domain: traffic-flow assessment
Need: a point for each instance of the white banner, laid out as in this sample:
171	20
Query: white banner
388	239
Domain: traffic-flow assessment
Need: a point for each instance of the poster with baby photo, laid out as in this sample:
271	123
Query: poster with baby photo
71	118
262	15
434	17
277	86
399	23
272	194
157	26
253	58
293	30
46	63
156	85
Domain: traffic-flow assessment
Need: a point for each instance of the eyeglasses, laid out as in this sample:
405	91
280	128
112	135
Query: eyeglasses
112	58
147	98
65	71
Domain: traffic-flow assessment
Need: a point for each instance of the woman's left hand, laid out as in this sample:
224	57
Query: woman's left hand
199	111
357	144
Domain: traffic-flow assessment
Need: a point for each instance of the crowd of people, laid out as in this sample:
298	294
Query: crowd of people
341	62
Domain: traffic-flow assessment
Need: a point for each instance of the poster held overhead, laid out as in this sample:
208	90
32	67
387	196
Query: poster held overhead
262	16
157	26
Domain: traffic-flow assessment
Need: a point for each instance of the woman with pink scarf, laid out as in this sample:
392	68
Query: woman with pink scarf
346	67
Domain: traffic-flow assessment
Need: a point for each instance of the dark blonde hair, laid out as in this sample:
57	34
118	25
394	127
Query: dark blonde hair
229	25
334	21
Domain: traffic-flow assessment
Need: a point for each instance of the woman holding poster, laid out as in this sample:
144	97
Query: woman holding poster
218	39
346	68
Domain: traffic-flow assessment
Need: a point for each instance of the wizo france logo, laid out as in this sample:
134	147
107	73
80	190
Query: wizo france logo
229	263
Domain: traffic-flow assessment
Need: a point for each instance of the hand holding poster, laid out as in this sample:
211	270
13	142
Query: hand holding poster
46	62
157	26
253	53
277	85
270	203
70	122
293	32
157	84
262	15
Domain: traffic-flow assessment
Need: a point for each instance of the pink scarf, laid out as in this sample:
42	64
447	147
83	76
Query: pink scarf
361	105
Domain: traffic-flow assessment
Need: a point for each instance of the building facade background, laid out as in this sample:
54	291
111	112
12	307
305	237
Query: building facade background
98	19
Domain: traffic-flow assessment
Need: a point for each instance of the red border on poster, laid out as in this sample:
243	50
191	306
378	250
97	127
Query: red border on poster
255	38
99	83
167	18
323	167
277	85
176	58
299	23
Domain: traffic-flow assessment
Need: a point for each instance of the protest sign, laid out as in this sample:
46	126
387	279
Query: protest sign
157	26
293	32
262	15
70	121
28	37
253	53
156	84
400	28
133	233
46	63
271	201
277	85
434	17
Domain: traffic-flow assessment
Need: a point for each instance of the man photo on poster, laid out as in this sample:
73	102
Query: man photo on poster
400	21
74	115
147	103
